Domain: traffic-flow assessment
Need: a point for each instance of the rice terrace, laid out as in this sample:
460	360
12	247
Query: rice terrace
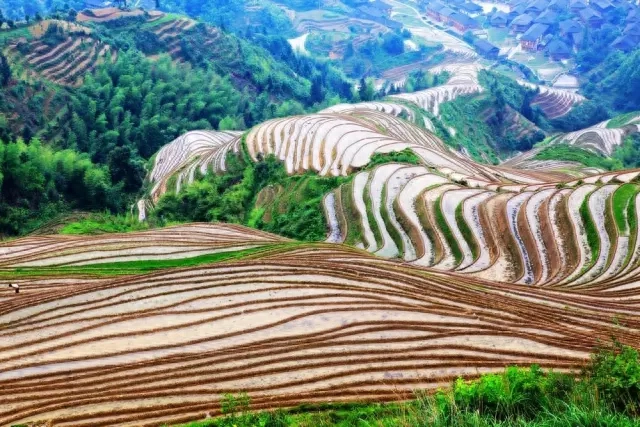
327	213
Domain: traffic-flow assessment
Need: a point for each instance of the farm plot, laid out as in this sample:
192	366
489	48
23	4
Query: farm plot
339	143
391	108
554	102
191	153
110	14
544	236
316	323
65	63
172	243
599	138
431	99
171	32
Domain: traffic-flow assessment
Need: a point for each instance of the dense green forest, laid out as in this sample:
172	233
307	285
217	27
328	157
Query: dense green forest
126	110
38	182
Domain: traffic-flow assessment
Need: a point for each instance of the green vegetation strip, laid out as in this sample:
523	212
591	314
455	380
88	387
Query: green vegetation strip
145	266
605	393
623	211
566	152
466	231
446	231
593	239
622	119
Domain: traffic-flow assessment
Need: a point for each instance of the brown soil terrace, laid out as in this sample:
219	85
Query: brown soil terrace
319	323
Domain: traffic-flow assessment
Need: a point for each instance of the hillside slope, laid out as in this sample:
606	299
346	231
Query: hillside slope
292	324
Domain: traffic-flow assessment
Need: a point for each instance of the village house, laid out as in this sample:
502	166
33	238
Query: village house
559	5
445	15
558	50
591	18
633	30
532	38
516	11
601	6
569	27
547	17
463	23
624	43
470	9
486	49
433	10
521	24
577	5
499	19
537	7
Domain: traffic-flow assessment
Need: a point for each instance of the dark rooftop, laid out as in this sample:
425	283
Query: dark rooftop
588	13
464	20
547	17
632	29
558	48
578	4
571	26
471	7
538	5
485	47
522	20
625	43
535	32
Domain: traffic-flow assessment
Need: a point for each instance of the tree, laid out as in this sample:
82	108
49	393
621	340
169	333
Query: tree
317	90
393	43
5	71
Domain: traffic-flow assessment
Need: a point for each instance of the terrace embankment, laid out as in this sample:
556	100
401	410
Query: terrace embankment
315	322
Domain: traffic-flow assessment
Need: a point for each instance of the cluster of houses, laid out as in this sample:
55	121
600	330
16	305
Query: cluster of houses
459	14
556	27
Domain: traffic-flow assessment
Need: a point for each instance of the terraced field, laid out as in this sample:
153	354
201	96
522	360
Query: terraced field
65	62
453	268
194	152
515	233
172	31
554	102
601	138
291	324
463	81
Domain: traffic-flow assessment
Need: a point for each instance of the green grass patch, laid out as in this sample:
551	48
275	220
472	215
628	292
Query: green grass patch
566	152
355	233
105	223
446	231
391	229
622	119
593	239
7	36
404	156
466	232
370	217
143	266
622	198
300	213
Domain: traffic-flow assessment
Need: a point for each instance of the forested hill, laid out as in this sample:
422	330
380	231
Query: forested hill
112	87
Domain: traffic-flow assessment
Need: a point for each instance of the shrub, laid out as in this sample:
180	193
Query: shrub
614	376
